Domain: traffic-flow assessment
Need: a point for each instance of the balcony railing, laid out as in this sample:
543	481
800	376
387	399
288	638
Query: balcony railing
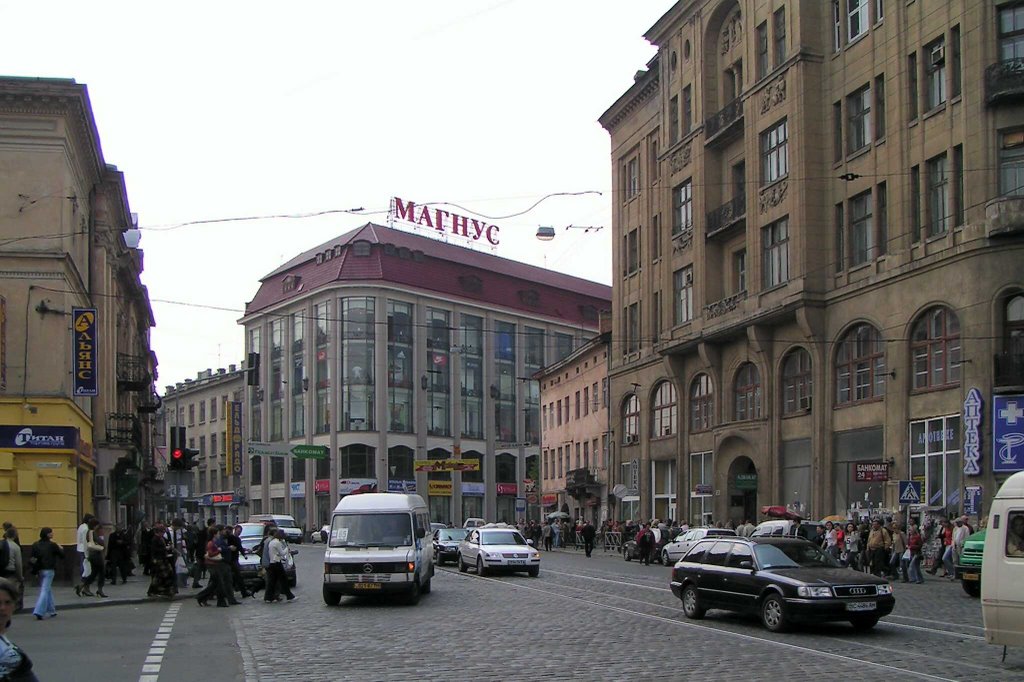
123	429
149	404
1009	369
726	215
133	372
1004	216
723	306
723	119
1004	81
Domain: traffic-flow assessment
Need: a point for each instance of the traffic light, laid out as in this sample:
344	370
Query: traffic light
176	456
189	456
177	460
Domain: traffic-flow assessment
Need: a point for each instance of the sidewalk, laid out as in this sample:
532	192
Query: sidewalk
131	592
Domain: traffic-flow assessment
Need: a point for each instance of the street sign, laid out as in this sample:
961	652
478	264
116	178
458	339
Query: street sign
910	492
972	500
271	449
310	451
520	505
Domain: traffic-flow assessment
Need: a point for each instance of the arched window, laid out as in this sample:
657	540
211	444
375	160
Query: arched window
747	392
796	381
1013	324
935	348
860	366
701	403
664	411
631	420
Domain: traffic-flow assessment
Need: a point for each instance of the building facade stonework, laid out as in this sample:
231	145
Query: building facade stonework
819	237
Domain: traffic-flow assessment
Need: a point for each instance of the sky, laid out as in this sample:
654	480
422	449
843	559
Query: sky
217	110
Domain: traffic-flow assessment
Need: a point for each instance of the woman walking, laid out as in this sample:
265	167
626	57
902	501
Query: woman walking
915	543
45	555
94	555
15	665
277	579
851	540
161	564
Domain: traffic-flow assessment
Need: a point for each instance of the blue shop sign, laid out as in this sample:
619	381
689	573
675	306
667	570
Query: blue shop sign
38	437
1007	433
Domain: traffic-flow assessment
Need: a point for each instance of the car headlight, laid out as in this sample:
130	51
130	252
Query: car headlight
807	591
535	555
885	589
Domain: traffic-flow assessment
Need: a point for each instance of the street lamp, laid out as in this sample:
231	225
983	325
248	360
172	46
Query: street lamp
546	233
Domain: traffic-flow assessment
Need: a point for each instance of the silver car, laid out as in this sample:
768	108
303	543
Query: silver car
495	547
674	551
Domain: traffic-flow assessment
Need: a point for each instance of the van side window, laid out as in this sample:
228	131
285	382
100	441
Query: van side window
1015	534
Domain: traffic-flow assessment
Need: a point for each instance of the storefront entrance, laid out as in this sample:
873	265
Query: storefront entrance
742	491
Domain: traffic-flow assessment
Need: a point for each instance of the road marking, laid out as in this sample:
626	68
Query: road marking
157	649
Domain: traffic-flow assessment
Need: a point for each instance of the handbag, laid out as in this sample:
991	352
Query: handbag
906	555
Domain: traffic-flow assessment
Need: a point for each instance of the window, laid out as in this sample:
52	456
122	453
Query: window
1015	534
191	415
1011	161
879	10
747	393
935	348
687	110
656	316
298	382
774	158
652	160
956	84
682	208
915	202
682	286
796	381
936	461
739	270
202	411
837	131
702	495
632	344
858	117
361	248
958	185
632	178
673	120
701	403
935	74
655	237
1011	32
880	107
586	400
579	409
632	259
1013	326
837	26
860	366
882	218
938	196
840	232
775	240
213	409
912	93
762	50
857	12
779	27
665	411
631	420
861	229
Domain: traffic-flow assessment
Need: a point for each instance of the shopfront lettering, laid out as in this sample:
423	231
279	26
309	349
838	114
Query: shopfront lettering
445	221
972	436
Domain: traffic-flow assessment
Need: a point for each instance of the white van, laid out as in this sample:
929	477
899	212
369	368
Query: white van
286	523
1002	590
376	544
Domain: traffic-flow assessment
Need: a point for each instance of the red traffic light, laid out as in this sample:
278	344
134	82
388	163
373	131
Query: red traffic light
177	454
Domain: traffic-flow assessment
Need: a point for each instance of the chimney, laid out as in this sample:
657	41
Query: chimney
220	370
232	368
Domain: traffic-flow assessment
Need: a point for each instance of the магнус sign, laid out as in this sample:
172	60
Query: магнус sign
445	221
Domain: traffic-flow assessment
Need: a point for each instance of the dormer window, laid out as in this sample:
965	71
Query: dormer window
337	250
588	312
290	283
418	256
390	250
361	249
471	283
319	258
529	297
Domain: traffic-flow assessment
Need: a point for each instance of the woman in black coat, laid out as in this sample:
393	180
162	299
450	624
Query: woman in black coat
44	557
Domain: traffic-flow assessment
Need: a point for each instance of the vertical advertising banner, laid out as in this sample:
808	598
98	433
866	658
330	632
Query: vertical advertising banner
1007	433
233	456
3	343
84	354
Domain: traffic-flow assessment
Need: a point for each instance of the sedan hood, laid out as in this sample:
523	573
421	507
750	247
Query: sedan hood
496	549
826	576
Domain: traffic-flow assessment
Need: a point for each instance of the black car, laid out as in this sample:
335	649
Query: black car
784	580
446	544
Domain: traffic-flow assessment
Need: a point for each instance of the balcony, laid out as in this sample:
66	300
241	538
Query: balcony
722	121
149	404
1004	217
133	372
726	215
580	479
1004	82
123	429
723	306
1009	370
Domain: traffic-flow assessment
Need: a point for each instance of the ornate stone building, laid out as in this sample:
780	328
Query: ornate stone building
818	218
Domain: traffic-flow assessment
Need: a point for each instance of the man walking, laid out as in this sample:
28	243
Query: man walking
644	541
588	533
879	544
545	533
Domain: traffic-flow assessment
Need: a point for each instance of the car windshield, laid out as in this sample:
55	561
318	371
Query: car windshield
252	531
286	523
501	537
453	534
371	530
792	555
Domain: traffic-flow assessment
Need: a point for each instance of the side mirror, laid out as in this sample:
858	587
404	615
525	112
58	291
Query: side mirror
529	541
747	565
420	533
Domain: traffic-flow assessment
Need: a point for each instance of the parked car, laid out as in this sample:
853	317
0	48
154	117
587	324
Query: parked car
630	550
249	562
446	543
675	550
784	580
282	521
498	547
320	535
790	528
968	571
473	522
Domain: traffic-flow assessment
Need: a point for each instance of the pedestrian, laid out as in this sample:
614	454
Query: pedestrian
161	567
556	528
234	541
947	549
831	540
546	533
44	558
644	542
119	556
15	665
145	543
80	546
94	556
879	543
277	578
898	564
915	543
851	542
197	536
219	583
819	537
13	568
588	534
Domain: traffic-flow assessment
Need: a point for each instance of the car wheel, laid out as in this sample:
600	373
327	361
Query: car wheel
864	622
665	560
691	603
971	587
480	570
773	613
534	572
462	565
627	555
412	597
426	587
331	598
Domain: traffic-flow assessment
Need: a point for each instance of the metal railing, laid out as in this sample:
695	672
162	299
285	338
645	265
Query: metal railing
1004	80
723	118
725	215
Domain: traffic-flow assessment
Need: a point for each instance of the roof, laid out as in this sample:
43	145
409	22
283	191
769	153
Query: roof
412	260
379	502
1013	488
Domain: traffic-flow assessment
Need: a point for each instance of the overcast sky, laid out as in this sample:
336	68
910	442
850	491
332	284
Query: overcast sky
232	109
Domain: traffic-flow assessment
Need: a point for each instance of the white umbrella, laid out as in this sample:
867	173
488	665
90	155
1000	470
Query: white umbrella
558	515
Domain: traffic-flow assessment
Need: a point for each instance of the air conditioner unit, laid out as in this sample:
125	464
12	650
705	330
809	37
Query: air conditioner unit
632	439
938	55
101	486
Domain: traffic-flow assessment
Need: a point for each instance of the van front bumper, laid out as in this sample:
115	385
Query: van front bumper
350	584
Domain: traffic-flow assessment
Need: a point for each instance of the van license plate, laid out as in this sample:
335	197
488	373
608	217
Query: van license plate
367	586
971	576
860	606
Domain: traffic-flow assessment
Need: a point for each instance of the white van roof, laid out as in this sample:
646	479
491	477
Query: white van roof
380	502
1013	488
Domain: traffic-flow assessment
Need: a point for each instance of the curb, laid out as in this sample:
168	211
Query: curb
113	601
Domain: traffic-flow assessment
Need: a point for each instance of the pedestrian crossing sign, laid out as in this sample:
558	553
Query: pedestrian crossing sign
910	492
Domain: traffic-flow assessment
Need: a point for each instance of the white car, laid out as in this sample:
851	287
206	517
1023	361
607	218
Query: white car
496	547
675	550
319	535
474	522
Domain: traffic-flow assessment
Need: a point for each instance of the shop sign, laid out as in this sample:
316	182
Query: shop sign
703	489
972	437
507	488
531	498
972	500
297	489
549	500
520	505
439	488
1007	433
474	489
38	437
233	456
435	218
85	352
322	486
865	472
442	465
746	481
529	485
634	477
217	499
354	486
401	485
